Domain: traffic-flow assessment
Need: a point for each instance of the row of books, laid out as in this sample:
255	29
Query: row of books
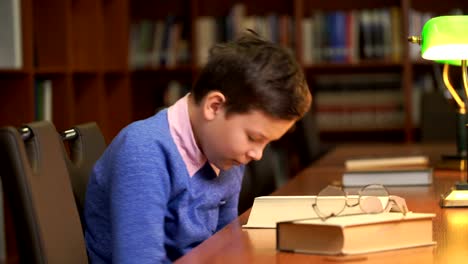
359	101
361	119
159	43
351	36
334	36
211	30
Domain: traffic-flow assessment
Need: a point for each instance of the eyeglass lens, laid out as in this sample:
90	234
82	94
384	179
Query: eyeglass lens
373	199
330	201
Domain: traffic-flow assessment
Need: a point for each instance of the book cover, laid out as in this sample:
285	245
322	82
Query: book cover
205	26
156	49
307	40
11	55
373	163
355	234
269	210
365	35
396	28
43	100
47	100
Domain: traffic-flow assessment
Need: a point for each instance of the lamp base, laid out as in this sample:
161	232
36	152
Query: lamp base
456	197
452	162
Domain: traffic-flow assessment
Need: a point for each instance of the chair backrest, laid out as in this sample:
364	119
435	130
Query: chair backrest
262	177
307	139
35	181
86	144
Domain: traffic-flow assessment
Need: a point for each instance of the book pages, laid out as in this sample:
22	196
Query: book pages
268	210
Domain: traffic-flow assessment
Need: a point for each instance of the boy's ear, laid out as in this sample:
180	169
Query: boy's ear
213	104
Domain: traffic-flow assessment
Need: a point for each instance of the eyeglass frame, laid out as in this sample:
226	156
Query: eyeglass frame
399	202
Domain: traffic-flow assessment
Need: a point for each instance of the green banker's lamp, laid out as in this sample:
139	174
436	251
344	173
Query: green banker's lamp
444	39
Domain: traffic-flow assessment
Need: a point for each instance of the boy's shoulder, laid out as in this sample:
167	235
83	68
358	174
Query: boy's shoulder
152	129
156	124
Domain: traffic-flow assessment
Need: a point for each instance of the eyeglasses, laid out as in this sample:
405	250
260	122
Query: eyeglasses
372	199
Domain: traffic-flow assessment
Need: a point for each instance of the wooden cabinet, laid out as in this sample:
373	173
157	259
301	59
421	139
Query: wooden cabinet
81	48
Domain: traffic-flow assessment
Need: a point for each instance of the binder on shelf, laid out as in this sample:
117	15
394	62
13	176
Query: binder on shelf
10	35
43	100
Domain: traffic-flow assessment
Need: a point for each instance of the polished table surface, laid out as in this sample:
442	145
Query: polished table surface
450	226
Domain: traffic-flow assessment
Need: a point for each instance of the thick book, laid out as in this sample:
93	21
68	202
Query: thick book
388	177
355	234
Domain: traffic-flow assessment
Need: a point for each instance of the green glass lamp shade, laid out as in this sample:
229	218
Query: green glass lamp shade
445	39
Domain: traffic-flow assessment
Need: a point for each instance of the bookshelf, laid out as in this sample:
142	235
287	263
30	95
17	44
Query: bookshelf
84	48
400	14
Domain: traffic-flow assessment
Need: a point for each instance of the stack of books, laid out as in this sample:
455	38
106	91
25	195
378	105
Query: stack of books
298	229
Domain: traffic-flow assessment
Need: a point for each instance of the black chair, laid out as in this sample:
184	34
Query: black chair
262	177
36	184
438	118
85	144
306	140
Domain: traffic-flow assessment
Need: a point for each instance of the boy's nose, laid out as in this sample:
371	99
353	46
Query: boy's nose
255	154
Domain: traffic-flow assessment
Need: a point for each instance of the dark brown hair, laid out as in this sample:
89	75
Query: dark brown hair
254	74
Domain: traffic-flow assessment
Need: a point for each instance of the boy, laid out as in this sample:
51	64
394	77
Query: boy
167	183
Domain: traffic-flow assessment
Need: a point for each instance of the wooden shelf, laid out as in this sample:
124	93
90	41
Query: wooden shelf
377	135
363	66
17	100
163	70
50	70
85	72
362	130
51	33
110	72
8	72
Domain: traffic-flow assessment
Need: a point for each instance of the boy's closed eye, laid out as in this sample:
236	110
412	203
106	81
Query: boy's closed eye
258	139
254	139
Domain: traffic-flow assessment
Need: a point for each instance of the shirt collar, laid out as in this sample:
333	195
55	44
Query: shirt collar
182	133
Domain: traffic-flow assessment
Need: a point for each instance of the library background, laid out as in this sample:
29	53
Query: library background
116	61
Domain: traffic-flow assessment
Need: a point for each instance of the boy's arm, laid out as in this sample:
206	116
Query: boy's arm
139	192
229	211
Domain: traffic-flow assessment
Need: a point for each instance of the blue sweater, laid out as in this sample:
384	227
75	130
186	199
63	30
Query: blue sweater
142	206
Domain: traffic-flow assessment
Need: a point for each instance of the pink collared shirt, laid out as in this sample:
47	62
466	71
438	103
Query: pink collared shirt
182	133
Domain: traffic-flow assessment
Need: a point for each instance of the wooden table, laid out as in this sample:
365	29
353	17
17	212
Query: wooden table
450	227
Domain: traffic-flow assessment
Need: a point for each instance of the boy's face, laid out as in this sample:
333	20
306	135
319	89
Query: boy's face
238	138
